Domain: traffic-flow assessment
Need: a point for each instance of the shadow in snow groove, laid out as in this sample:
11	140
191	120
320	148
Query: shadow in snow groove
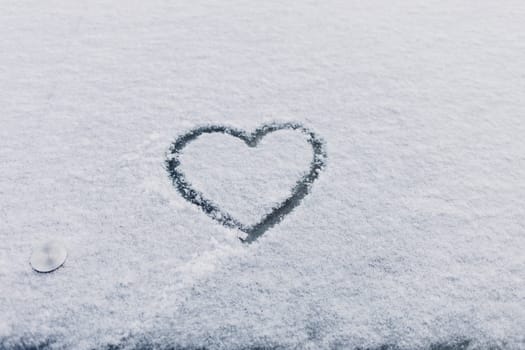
299	191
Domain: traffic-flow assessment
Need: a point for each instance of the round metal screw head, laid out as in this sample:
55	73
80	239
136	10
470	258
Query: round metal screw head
48	256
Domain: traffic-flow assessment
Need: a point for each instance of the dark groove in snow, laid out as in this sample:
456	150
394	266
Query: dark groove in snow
299	191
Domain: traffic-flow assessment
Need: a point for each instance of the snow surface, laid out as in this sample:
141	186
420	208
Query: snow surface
247	182
413	235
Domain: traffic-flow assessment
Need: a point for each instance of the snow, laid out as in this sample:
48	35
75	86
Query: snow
235	176
412	236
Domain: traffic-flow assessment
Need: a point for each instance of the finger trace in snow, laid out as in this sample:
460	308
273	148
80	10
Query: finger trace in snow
260	187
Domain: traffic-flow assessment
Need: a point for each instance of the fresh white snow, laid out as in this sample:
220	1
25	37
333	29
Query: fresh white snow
243	181
413	235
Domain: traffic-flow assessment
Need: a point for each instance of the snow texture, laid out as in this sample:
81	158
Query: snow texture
260	176
247	182
412	237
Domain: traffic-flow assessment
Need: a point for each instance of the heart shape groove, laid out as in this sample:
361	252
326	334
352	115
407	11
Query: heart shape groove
277	214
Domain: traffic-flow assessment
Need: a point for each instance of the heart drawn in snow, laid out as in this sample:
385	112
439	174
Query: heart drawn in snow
278	212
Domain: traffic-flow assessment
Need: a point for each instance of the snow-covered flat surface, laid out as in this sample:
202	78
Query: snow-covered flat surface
247	182
412	236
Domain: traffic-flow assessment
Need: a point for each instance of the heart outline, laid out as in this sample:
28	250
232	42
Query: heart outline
277	214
